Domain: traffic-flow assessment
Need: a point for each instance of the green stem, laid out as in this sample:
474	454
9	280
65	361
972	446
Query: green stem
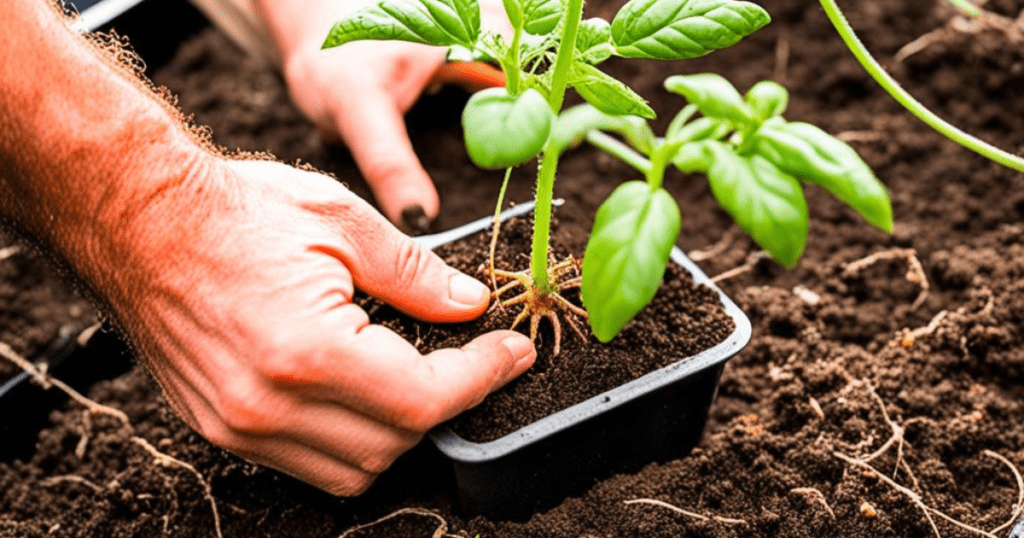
966	7
912	105
619	150
496	226
549	162
566	54
542	219
512	75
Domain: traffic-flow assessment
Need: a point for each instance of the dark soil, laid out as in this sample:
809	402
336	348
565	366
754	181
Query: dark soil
683	319
797	401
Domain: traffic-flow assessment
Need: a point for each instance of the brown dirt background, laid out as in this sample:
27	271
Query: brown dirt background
957	391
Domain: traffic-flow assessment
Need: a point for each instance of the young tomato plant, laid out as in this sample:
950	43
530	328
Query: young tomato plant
748	151
755	161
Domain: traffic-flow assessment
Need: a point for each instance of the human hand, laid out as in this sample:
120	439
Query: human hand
242	307
360	92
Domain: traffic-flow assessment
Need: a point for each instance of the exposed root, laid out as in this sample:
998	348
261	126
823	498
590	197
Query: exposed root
1013	29
168	461
70	478
40	376
440	532
915	271
1019	507
914	497
752	260
781	70
83	442
860	136
7	252
716	249
539	305
814	495
687	513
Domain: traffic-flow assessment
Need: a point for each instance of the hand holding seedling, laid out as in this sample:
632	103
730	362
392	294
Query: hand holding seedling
233	279
360	93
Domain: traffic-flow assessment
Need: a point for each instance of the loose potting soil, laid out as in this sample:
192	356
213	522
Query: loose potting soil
866	404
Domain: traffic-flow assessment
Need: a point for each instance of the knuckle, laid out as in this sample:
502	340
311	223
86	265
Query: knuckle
376	463
244	409
350	485
412	260
217	432
418	415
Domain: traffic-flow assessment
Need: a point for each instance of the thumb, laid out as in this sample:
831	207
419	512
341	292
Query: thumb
390	266
374	130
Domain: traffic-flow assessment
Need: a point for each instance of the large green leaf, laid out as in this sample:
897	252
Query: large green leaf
675	29
713	95
607	94
594	41
503	130
629	247
815	156
431	22
765	201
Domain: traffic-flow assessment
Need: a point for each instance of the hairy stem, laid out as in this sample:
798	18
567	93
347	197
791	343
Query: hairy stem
549	163
904	98
512	75
542	219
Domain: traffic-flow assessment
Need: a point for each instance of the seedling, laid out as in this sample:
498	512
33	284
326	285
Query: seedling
751	155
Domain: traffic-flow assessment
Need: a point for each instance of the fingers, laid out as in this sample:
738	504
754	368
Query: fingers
390	266
373	127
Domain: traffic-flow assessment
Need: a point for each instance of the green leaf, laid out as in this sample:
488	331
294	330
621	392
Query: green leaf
593	41
699	129
676	29
541	16
574	123
767	99
503	130
765	201
713	95
607	94
629	247
430	22
815	156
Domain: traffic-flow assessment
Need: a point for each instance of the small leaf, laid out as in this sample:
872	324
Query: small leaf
574	123
593	41
503	130
700	129
765	201
629	247
609	95
677	29
541	16
514	11
815	156
713	95
767	99
430	22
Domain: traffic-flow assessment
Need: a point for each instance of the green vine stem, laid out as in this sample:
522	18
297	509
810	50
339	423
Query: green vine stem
549	162
904	98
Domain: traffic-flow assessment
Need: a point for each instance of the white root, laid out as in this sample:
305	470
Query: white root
687	513
440	532
915	271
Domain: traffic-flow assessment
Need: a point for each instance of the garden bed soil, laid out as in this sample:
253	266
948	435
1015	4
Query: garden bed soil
835	356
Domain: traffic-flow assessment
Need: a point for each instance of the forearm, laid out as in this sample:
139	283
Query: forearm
85	150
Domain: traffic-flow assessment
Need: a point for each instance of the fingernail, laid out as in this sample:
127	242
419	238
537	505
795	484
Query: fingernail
467	291
415	219
519	346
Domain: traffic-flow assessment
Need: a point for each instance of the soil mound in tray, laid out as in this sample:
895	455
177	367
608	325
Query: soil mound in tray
837	357
684	319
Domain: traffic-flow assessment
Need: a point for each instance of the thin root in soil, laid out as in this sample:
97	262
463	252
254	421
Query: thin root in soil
538	304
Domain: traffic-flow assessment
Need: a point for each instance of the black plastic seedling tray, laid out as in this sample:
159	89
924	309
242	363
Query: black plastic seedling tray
656	418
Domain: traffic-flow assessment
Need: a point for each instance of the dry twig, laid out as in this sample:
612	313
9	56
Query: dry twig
687	513
441	532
